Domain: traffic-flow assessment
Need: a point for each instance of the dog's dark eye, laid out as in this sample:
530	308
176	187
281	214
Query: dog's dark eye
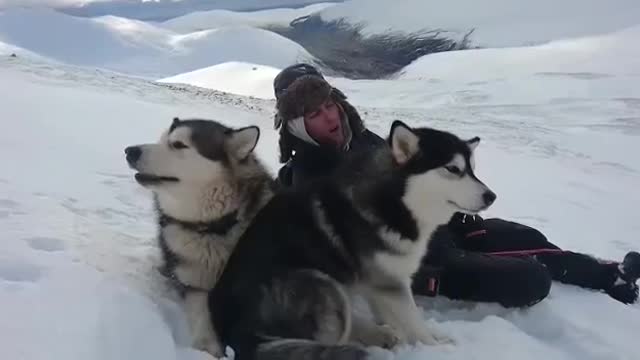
453	169
178	145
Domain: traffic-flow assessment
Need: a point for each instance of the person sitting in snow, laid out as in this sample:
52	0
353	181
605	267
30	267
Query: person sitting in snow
473	259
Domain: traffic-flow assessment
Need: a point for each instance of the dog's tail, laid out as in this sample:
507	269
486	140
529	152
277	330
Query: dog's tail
294	349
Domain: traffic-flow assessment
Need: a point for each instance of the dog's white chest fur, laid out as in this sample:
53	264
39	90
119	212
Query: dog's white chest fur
201	256
404	257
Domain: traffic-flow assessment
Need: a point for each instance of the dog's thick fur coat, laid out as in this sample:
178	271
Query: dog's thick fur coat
286	290
207	187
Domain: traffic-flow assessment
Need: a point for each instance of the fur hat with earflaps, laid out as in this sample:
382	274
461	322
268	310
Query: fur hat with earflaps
301	89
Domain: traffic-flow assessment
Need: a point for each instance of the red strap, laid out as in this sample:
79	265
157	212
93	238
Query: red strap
514	252
432	288
527	252
432	285
476	233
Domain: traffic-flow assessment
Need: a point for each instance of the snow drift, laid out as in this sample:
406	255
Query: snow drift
11	50
232	77
246	44
584	55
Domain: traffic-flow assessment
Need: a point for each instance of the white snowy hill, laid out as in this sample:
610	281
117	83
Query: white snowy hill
560	124
240	78
200	20
437	78
143	49
496	23
160	10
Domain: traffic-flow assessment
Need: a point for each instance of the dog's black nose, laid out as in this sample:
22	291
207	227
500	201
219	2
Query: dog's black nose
133	154
489	197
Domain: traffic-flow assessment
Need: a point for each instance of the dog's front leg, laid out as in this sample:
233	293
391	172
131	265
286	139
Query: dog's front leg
204	336
366	332
395	306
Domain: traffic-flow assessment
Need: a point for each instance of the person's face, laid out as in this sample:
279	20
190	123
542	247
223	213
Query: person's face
324	125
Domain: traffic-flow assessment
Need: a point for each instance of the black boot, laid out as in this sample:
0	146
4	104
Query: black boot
624	288
630	267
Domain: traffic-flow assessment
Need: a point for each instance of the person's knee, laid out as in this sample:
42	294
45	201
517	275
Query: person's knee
533	286
540	284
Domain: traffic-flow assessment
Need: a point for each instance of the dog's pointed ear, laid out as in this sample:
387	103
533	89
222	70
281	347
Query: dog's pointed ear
473	143
241	142
404	142
174	123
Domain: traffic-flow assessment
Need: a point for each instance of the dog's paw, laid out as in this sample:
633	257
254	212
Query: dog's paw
384	336
211	347
431	337
442	339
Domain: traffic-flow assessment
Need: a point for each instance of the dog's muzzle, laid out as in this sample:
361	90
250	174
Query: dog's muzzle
133	154
489	197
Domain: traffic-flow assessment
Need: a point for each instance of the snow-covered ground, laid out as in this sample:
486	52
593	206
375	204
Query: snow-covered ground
560	123
78	249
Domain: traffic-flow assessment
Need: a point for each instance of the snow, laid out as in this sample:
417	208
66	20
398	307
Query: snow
245	44
578	55
573	68
139	48
559	123
233	77
496	23
161	10
9	49
78	231
576	65
93	41
201	20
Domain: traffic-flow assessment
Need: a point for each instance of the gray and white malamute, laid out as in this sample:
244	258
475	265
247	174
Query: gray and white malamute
207	186
286	290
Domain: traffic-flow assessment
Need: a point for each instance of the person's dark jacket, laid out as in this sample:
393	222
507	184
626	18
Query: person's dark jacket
312	162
